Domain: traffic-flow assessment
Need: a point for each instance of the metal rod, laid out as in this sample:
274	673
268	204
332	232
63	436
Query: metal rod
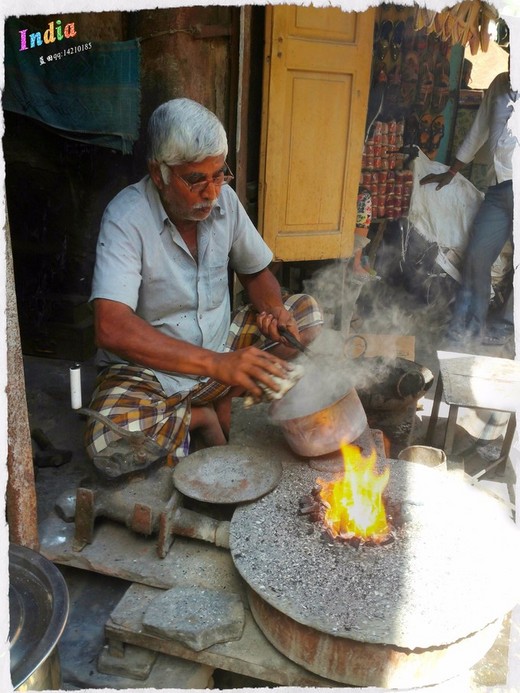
293	341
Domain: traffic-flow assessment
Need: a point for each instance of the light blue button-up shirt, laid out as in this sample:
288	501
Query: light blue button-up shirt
143	262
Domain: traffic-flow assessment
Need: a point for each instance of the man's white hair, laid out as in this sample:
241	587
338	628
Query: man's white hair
181	131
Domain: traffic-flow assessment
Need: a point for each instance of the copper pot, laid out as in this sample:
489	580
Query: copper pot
319	413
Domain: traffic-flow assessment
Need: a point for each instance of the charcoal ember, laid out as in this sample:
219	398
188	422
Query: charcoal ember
389	540
308	505
316	490
306	500
312	509
355	542
317	515
328	534
346	536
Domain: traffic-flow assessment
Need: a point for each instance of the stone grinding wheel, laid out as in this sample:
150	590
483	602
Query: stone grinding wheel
227	474
452	568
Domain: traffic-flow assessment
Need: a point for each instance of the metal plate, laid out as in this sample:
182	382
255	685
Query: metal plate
227	474
39	607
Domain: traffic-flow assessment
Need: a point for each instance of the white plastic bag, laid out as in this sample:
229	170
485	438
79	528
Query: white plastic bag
442	216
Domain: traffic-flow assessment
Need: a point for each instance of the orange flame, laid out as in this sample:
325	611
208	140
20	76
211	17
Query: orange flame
354	502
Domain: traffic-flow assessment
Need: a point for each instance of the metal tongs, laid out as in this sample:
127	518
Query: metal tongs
294	342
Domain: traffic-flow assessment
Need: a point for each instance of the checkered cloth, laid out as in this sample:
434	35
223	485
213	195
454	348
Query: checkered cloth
133	399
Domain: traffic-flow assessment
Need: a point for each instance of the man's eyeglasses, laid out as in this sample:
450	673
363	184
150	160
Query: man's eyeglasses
196	184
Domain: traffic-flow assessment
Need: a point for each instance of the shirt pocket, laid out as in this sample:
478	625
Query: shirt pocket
218	284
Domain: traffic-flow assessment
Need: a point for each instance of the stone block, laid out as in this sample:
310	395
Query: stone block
136	663
196	617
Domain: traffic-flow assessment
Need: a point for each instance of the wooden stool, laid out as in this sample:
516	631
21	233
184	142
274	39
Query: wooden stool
476	382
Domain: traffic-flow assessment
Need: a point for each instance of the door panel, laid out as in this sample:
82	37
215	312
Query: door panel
319	165
316	91
333	25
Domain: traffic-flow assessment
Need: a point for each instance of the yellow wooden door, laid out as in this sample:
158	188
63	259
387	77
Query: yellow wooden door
316	83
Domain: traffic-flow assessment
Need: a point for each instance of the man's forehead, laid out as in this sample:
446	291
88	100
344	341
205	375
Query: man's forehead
207	163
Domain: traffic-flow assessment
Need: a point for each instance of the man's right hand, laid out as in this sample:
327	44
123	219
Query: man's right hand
121	331
247	367
441	179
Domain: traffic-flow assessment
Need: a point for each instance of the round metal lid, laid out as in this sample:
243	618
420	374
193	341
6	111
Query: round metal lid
227	474
38	607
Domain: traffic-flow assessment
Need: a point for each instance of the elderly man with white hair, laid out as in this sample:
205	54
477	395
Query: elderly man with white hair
171	353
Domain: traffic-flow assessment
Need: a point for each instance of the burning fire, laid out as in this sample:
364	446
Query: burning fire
354	503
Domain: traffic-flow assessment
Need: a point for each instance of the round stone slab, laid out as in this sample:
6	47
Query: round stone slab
196	617
453	567
227	474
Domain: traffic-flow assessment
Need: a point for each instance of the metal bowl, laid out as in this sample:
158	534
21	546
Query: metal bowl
39	608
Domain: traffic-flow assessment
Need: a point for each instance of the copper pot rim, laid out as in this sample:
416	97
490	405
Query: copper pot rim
275	406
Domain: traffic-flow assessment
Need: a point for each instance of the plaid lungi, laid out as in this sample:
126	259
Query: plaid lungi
132	397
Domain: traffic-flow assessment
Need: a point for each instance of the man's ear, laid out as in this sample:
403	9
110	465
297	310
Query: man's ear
154	169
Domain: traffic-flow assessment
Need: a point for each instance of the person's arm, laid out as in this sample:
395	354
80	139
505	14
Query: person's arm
475	138
445	177
264	294
119	330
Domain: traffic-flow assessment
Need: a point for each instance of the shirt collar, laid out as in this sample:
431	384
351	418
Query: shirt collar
156	206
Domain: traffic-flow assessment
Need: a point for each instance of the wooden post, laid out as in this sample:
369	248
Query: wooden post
21	491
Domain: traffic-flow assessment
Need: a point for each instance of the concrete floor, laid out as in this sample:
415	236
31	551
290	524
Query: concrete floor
94	596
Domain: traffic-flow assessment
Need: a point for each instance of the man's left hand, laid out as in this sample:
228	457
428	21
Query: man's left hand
268	323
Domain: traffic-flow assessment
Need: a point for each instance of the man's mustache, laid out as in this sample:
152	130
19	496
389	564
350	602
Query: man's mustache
205	205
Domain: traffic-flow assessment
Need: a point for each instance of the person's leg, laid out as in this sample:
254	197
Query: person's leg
206	425
500	319
507	315
363	221
491	229
211	407
223	411
133	399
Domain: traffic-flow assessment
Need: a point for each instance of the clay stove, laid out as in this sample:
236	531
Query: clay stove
413	612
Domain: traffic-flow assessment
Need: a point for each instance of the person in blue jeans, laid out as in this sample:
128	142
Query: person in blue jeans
493	224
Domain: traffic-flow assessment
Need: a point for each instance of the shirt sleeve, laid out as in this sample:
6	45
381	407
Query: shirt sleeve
249	252
117	270
478	134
